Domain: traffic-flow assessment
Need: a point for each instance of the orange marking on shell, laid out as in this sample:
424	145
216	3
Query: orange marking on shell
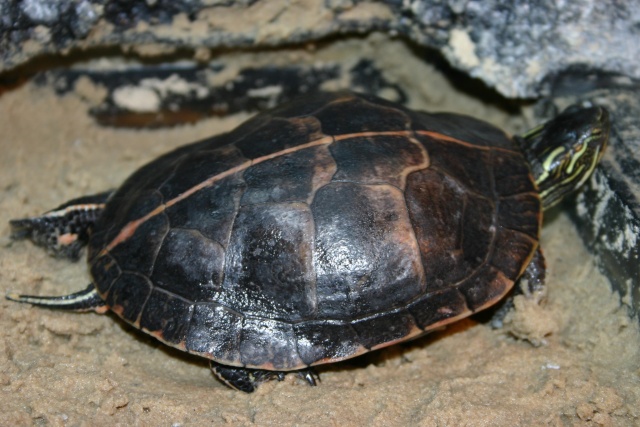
110	265
414	333
444	322
360	350
436	135
158	334
118	309
451	139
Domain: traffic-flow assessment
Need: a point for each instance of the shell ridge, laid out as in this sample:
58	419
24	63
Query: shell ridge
199	232
159	244
151	287
426	164
496	207
460	185
232	223
443	137
314	191
179	161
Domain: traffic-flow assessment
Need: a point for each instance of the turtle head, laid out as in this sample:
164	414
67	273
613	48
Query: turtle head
564	151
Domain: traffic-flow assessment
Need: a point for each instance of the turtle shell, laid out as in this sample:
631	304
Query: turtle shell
315	232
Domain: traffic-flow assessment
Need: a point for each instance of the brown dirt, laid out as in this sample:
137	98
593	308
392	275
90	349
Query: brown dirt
87	369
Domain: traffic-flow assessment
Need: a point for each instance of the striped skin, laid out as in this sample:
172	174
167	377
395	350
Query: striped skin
316	232
564	152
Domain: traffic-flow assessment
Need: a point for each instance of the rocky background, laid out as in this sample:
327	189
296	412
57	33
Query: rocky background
514	46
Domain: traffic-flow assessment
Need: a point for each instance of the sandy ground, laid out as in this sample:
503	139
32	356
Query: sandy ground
87	369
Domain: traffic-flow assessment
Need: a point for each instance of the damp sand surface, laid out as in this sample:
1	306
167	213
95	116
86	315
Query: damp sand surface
73	369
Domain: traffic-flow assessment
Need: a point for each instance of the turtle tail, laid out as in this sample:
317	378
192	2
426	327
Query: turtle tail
85	300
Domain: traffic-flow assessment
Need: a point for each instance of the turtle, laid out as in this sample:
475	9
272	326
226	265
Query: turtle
333	225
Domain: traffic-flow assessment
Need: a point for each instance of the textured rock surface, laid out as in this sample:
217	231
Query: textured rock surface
513	45
510	45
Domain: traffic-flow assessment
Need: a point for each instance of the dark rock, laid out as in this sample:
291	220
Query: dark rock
183	93
512	45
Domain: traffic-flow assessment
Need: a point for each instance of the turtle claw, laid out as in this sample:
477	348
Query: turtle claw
310	376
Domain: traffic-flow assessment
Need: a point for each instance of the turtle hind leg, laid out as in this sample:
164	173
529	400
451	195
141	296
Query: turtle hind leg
247	380
64	230
85	300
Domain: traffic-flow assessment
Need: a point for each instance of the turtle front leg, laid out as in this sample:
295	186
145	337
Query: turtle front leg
531	285
532	281
247	380
64	230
